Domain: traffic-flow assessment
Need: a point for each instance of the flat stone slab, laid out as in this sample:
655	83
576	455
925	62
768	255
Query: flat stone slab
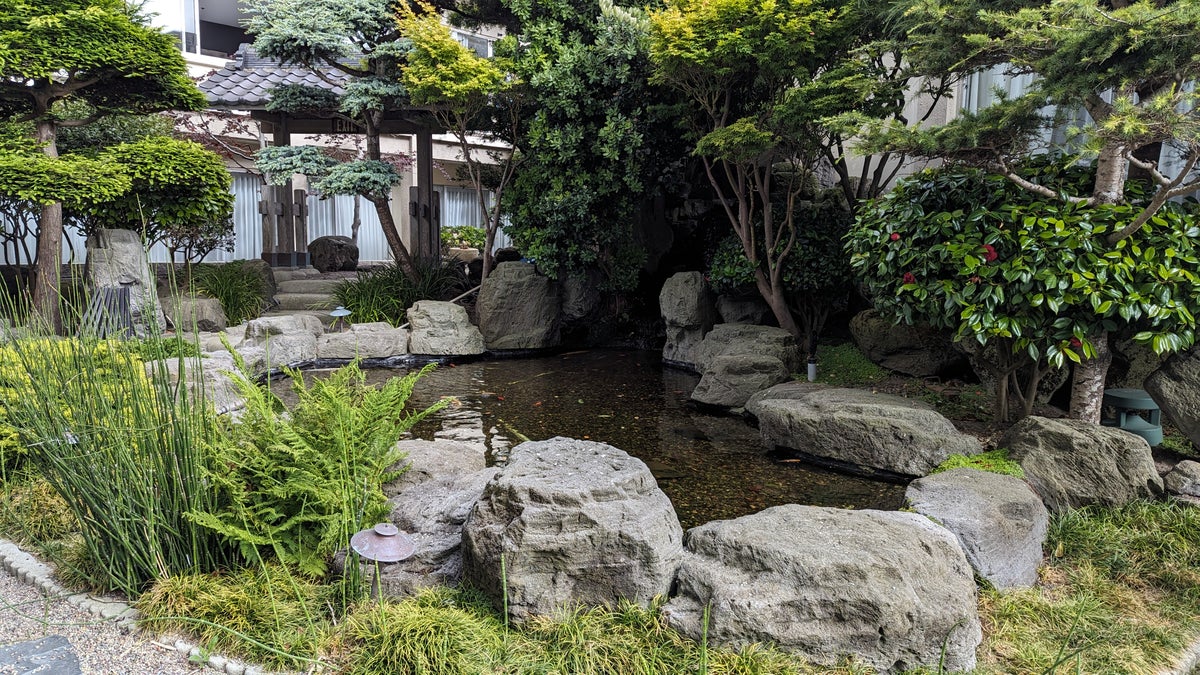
51	655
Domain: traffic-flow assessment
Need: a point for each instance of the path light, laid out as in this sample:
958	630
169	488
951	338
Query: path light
384	543
340	322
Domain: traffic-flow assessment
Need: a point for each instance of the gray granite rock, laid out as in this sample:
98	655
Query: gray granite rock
727	339
1184	479
1072	463
1000	522
117	259
364	341
334	253
442	329
570	522
194	313
859	428
920	351
687	310
1175	387
889	588
729	381
518	308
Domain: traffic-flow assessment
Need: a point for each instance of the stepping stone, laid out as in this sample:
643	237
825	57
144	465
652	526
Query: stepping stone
45	656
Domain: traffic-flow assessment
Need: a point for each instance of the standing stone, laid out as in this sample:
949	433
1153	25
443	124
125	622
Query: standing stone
999	521
1073	463
858	428
262	269
570	522
729	381
889	588
117	258
442	329
733	338
1133	362
1175	387
518	308
919	351
333	253
687	310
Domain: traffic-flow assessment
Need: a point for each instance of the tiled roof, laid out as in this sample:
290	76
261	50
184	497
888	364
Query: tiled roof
246	81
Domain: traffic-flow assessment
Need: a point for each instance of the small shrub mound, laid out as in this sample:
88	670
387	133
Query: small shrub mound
996	461
843	365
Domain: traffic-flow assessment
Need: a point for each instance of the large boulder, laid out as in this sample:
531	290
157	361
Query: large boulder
687	310
734	338
1132	363
364	341
1175	387
333	253
892	589
117	259
999	521
859	429
518	308
275	341
1073	463
729	381
442	329
430	502
569	522
190	312
920	351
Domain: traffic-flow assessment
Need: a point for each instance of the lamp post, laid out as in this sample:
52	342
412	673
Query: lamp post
340	322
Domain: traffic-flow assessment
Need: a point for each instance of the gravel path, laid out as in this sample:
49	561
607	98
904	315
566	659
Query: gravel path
101	646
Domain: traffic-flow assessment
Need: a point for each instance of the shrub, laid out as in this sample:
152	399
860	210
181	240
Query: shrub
296	486
240	290
972	253
386	293
32	512
463	236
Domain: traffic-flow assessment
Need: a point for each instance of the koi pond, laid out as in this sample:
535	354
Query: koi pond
712	467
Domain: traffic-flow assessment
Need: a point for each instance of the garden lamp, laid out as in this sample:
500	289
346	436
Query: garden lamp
384	543
340	322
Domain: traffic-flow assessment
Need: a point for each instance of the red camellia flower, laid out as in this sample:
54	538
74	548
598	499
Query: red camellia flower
909	278
974	280
895	236
1075	342
989	253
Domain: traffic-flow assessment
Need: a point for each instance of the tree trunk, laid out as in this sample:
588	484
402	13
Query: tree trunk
778	304
399	250
48	265
489	242
1111	171
1087	382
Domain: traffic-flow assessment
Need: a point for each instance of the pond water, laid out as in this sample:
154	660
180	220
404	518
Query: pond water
712	467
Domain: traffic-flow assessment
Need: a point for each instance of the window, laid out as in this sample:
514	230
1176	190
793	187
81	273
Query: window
480	45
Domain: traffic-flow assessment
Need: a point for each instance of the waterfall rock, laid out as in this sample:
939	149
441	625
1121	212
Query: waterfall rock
518	308
442	329
687	310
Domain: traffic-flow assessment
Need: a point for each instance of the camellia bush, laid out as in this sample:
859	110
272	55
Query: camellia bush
969	252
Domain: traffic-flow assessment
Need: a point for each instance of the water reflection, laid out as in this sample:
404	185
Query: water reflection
711	467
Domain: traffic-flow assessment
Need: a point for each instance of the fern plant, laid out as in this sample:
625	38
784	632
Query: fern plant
295	485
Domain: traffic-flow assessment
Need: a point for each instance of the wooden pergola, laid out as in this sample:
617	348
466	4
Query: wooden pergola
245	84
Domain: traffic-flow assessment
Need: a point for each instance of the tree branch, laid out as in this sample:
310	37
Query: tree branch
1176	188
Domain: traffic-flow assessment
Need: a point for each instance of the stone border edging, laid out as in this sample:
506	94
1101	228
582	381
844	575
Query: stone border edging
28	569
1188	662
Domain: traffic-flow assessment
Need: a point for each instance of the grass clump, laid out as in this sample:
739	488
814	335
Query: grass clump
240	290
265	613
386	293
32	513
123	449
1121	594
843	365
995	461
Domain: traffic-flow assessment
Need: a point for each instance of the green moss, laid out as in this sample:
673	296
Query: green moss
844	365
996	461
